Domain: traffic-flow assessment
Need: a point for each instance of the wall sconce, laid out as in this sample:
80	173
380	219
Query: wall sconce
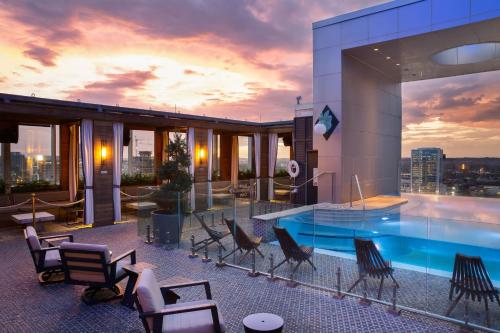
104	152
201	155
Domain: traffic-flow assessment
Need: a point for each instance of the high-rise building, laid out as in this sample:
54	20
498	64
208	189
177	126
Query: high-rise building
426	170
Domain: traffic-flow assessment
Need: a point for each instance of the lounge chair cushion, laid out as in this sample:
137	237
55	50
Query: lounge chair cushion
189	322
149	294
88	247
52	258
33	238
119	267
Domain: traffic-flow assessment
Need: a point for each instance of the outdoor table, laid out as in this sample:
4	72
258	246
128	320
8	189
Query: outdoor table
27	218
263	322
133	271
144	205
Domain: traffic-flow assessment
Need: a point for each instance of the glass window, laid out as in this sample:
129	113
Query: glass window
141	151
35	158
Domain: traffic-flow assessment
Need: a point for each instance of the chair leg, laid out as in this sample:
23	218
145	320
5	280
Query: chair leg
221	245
487	312
295	269
260	253
455	302
281	263
380	287
244	256
450	295
394	280
310	262
355	284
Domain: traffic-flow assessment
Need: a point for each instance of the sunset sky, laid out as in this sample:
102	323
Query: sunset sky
237	59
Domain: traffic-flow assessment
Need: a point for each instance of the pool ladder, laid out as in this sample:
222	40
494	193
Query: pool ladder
358	186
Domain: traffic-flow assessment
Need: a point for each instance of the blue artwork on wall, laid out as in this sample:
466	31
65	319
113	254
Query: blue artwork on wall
328	120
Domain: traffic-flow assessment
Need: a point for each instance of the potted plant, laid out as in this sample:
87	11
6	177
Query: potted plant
176	181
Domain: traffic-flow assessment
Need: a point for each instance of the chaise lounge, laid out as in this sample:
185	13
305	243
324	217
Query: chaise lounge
243	241
214	236
292	250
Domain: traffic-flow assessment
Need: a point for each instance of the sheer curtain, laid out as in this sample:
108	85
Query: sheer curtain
210	144
117	168
273	155
191	151
256	142
73	162
235	161
86	138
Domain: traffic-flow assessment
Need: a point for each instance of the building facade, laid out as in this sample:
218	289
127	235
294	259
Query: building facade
426	170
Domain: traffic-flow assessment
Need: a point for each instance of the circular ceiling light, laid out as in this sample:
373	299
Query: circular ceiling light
468	54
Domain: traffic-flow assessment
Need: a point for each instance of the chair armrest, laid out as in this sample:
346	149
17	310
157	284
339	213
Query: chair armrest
183	308
54	237
52	248
205	283
130	253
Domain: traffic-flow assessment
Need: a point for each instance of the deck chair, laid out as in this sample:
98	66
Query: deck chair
291	250
471	279
214	236
370	263
159	314
243	241
91	265
46	259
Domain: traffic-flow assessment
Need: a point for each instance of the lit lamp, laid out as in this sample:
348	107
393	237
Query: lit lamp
104	152
201	155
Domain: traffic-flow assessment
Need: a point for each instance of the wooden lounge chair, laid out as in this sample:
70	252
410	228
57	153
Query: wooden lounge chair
243	241
370	263
471	279
159	314
91	265
214	236
291	250
46	259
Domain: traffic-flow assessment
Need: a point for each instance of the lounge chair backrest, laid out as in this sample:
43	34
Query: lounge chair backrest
32	237
469	274
85	262
240	237
289	246
149	294
204	225
369	259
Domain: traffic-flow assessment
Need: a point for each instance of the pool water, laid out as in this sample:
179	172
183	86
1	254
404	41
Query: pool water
410	241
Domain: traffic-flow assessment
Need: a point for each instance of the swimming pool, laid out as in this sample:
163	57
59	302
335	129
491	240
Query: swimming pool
411	242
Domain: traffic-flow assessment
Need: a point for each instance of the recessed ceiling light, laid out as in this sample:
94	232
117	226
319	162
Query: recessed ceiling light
375	49
397	64
387	58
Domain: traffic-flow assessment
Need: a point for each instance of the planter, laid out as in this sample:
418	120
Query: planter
167	227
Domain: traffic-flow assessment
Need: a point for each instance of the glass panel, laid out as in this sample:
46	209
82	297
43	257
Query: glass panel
35	158
141	153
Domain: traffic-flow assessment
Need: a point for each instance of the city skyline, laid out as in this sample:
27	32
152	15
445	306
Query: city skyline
259	61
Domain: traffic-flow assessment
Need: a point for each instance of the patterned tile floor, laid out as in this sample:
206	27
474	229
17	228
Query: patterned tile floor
29	307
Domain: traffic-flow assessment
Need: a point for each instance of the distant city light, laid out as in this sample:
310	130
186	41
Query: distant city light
39	158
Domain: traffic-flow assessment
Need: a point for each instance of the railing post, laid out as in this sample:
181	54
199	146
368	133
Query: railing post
253	272
205	258
193	249
220	262
393	310
148	234
339	294
222	218
213	219
33	210
271	277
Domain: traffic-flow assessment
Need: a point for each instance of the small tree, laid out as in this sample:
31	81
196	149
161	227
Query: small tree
174	175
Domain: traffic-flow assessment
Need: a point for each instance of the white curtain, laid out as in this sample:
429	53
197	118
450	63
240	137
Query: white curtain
256	142
73	162
210	144
235	161
86	138
191	151
117	168
273	154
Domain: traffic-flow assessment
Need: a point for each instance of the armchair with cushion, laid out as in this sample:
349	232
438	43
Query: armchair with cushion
159	314
91	265
45	255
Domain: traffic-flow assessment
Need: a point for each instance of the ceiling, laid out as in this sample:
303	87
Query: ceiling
410	58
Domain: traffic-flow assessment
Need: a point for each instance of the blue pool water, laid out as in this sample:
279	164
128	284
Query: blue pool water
411	242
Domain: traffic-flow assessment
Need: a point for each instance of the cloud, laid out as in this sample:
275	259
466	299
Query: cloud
31	68
113	89
192	72
43	55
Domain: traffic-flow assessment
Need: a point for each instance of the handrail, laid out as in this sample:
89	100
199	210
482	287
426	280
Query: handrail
355	176
304	183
